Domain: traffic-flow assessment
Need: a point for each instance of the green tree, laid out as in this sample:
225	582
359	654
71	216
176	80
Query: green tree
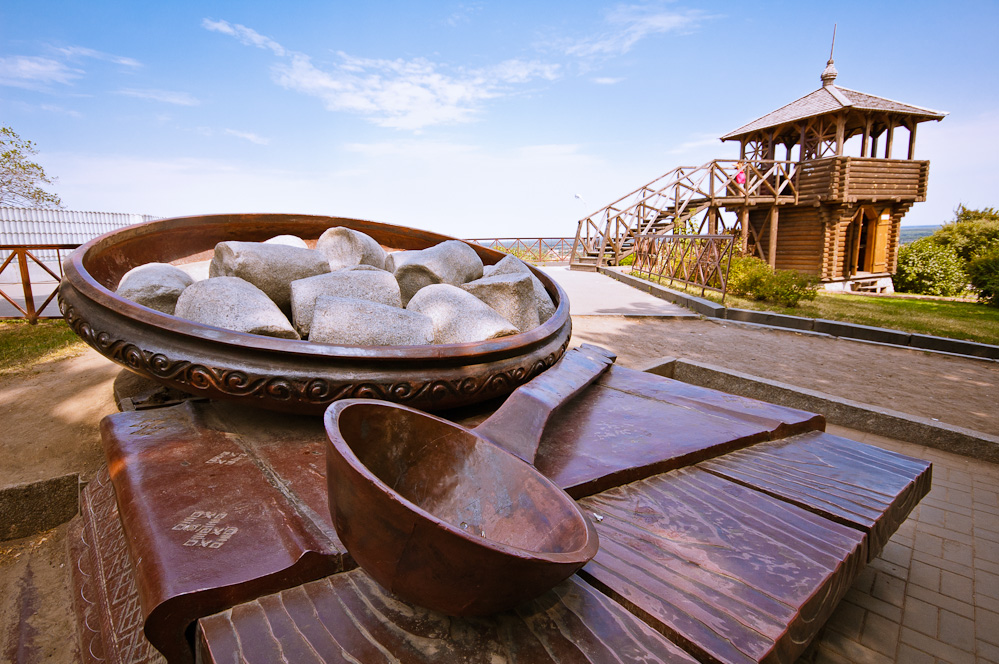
20	177
983	270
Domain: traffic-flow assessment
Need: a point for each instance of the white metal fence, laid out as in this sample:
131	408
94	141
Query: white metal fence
33	227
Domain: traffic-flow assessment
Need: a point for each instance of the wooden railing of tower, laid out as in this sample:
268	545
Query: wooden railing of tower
673	202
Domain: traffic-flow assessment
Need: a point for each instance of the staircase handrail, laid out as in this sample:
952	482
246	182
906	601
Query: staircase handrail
676	191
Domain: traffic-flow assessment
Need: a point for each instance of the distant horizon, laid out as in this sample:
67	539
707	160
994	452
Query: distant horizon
462	117
484	235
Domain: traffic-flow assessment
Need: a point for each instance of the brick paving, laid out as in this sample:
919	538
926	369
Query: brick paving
932	596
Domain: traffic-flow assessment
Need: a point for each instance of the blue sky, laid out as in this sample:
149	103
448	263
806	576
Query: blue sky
469	118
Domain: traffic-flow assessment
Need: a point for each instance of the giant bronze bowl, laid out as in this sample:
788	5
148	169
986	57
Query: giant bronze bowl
284	374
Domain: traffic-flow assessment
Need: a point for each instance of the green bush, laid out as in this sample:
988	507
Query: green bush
746	276
983	272
753	278
972	232
929	268
788	288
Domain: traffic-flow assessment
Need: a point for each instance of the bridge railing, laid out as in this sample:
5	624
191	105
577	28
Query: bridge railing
26	279
531	249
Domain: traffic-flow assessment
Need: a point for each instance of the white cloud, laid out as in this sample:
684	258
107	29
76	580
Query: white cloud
31	71
406	94
244	34
82	52
463	14
51	108
248	136
629	24
165	96
701	140
522	71
34	72
606	80
401	94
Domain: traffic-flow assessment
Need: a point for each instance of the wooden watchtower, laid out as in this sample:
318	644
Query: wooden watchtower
843	222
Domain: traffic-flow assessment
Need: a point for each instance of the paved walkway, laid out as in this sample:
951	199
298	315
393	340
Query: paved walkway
595	294
932	596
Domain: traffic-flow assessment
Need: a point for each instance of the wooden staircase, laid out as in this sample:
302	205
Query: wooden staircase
684	200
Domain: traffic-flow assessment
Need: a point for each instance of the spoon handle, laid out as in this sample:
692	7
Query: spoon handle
520	422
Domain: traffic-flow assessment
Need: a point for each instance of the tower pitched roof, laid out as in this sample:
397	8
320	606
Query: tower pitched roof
830	98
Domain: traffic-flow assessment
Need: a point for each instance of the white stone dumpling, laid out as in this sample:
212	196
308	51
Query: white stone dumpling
197	269
289	240
234	304
513	265
372	284
459	317
344	247
509	295
269	267
452	262
154	285
357	322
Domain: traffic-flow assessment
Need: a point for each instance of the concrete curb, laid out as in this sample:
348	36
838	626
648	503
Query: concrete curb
844	412
28	509
831	327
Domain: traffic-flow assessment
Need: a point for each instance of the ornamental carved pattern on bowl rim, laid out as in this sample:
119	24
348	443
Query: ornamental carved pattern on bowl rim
313	391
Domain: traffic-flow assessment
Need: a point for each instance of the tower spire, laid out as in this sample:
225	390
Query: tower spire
829	73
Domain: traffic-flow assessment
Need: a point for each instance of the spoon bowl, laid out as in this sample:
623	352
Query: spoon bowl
442	516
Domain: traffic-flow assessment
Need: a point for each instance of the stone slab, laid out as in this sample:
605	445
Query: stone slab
630	425
349	618
769	318
857	485
207	524
862	332
733	574
956	346
26	509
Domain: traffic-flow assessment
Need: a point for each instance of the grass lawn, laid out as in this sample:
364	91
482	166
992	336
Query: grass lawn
970	321
23	345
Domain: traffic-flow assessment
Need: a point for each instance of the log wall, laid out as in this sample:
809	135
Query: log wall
816	240
855	179
799	240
